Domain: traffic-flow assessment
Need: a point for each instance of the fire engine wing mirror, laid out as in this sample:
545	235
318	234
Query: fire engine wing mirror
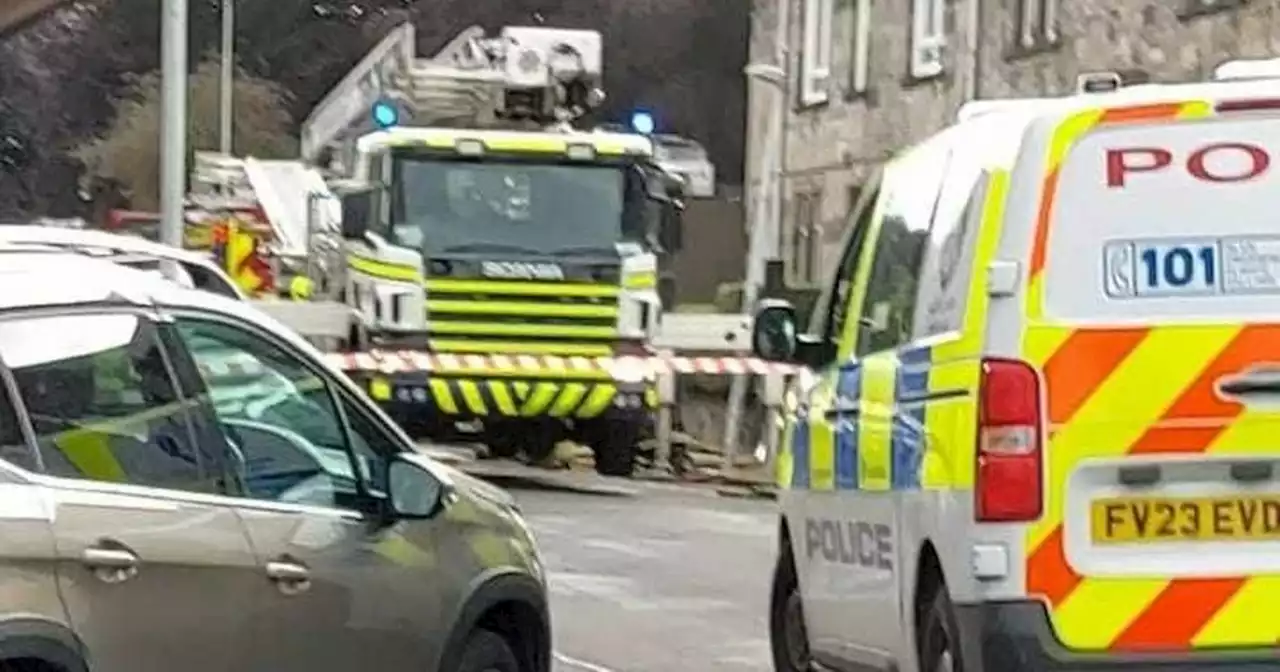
358	208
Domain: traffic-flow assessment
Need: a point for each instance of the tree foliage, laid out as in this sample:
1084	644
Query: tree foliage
126	154
61	79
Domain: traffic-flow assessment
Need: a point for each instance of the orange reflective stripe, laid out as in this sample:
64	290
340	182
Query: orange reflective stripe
1177	614
1080	365
1048	573
1049	191
1122	115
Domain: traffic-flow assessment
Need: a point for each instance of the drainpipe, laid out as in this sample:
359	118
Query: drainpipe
973	83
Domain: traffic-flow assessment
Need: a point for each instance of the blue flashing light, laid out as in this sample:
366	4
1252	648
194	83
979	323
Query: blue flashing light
385	115
642	122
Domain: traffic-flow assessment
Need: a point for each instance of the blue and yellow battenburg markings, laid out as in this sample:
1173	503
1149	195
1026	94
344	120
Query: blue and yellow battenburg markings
911	397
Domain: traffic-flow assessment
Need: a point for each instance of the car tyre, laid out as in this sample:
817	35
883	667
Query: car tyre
487	652
939	643
787	635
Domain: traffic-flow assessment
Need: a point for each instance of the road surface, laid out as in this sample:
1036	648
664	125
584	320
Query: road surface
662	582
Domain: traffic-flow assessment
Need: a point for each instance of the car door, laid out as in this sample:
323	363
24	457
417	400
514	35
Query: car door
343	588
889	426
155	573
819	469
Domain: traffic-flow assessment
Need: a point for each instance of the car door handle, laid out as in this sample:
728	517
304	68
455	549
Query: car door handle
287	571
110	565
110	558
290	577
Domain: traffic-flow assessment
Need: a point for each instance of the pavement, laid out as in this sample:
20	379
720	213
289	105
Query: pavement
664	578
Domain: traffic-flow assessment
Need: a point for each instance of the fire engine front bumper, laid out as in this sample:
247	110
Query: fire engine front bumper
424	398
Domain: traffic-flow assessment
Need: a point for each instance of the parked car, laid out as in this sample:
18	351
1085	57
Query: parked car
185	484
188	268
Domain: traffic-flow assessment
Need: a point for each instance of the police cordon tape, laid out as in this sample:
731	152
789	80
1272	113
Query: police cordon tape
624	366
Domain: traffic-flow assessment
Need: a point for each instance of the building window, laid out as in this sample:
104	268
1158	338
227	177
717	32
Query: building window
806	239
815	58
1037	23
860	49
1193	8
928	37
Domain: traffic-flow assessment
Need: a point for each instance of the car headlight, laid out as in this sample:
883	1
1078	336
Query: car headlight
531	543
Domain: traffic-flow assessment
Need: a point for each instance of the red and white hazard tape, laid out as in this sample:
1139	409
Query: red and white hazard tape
411	361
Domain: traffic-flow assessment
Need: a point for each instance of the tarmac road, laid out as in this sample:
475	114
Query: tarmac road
666	581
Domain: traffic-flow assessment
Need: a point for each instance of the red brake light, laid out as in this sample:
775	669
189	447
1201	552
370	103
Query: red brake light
1009	483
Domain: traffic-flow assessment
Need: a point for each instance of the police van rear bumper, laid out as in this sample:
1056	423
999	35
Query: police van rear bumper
1017	637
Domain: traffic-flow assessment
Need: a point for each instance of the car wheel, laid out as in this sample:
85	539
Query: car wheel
939	645
787	635
487	652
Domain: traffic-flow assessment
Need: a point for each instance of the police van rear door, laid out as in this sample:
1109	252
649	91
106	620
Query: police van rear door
1155	299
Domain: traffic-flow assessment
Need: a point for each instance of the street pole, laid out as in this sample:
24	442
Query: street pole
226	109
766	220
173	123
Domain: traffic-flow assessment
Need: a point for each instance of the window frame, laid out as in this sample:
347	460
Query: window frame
806	234
1037	24
860	21
336	389
928	38
205	470
816	51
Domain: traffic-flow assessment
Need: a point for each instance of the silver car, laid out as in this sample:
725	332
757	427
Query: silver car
185	485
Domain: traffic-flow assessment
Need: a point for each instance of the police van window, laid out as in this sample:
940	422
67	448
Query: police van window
838	293
948	257
910	196
101	400
289	441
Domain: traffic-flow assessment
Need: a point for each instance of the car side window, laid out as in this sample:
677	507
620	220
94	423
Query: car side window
289	439
838	294
910	194
948	258
102	401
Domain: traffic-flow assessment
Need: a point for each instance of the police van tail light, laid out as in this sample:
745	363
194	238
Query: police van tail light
1009	484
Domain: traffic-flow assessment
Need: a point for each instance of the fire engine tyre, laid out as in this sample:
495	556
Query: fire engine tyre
614	443
787	636
502	444
535	441
938	637
487	652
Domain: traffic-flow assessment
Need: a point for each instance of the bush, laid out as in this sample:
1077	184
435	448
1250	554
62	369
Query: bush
127	154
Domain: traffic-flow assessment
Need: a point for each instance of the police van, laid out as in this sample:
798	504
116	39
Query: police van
1040	428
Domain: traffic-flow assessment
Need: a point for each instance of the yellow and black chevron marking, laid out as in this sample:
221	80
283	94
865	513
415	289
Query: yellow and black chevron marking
512	398
522	317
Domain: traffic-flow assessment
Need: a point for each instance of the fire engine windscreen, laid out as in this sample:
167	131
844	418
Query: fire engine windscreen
449	206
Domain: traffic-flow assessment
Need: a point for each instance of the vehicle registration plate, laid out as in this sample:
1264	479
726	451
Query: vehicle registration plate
1122	520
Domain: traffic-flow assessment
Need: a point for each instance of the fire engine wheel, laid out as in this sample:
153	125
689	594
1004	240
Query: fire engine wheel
614	444
508	440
